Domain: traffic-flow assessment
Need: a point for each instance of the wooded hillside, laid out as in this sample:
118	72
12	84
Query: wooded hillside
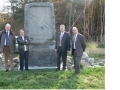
87	15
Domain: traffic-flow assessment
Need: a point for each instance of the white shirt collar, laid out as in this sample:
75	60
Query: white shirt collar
22	36
76	35
8	31
62	32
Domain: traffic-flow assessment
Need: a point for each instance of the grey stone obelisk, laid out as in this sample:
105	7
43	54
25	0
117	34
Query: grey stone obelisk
39	25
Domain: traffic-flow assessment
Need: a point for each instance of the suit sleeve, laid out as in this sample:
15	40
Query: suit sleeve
83	43
14	40
0	36
20	41
56	41
82	40
28	40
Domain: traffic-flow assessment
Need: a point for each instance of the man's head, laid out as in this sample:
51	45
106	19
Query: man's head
22	32
75	30
7	27
62	28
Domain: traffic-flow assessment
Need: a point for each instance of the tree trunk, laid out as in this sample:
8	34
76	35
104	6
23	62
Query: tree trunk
101	36
84	16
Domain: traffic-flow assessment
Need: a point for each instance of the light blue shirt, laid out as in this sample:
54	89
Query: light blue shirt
75	36
8	36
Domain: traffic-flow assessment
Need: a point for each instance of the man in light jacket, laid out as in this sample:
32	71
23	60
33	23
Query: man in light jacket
7	46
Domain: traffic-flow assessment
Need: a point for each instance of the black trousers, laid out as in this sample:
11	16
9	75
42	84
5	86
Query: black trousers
64	56
23	55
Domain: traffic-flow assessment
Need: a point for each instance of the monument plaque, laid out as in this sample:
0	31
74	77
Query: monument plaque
39	25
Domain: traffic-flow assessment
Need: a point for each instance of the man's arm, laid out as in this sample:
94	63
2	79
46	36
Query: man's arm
83	42
14	41
20	41
27	40
0	36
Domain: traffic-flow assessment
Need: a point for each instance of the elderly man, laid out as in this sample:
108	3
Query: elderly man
62	46
23	42
78	47
7	46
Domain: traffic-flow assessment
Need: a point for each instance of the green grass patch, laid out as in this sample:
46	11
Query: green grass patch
95	45
90	78
95	50
92	45
15	55
101	45
97	55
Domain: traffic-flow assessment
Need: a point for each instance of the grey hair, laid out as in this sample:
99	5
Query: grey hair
62	25
75	28
21	30
8	25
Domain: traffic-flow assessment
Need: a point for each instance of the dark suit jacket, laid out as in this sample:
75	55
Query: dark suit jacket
65	42
80	44
22	42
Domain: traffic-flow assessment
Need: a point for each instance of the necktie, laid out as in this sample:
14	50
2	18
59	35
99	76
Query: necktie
6	38
61	35
74	40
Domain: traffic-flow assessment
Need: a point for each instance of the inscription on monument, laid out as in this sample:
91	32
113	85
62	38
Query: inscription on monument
39	25
39	22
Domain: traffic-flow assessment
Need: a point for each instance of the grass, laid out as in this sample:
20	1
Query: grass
95	50
95	45
15	55
97	55
101	45
90	78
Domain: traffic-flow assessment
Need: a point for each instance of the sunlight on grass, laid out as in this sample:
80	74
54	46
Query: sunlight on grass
94	50
90	78
101	45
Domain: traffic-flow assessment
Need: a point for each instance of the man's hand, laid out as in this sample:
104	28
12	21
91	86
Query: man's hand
68	52
55	50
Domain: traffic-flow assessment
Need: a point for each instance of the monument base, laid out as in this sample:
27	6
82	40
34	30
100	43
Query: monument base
42	56
36	67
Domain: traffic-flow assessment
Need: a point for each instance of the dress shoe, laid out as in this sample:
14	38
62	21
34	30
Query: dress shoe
27	69
57	69
64	69
21	69
77	74
6	70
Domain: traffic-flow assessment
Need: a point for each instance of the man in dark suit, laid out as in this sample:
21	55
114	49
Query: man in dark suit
78	47
62	46
23	42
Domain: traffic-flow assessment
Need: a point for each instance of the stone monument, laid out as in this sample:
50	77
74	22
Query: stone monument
39	25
